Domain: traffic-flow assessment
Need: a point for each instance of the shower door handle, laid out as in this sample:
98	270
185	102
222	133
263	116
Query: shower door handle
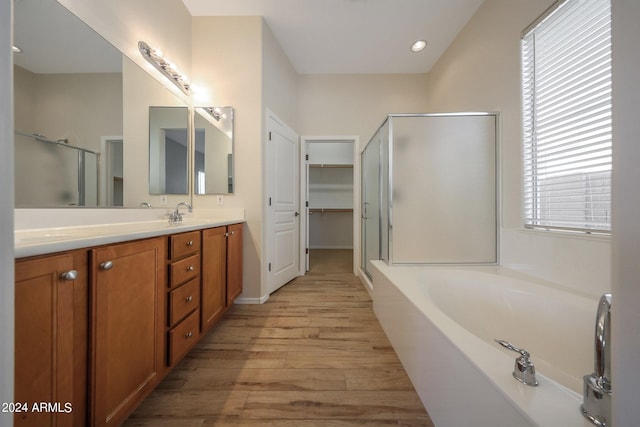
364	210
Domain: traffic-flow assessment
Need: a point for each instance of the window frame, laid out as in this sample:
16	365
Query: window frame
531	175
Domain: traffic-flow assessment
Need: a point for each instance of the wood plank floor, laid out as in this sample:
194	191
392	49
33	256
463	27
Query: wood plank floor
313	355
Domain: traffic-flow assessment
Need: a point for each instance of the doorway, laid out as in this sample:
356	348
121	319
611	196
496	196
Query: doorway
328	182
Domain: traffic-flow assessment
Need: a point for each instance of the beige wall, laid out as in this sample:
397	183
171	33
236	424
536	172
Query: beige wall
481	71
163	24
78	107
279	80
6	212
356	104
625	314
227	70
140	91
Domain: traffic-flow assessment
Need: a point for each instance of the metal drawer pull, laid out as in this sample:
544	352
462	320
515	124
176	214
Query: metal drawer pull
188	334
190	268
190	243
69	275
107	265
189	298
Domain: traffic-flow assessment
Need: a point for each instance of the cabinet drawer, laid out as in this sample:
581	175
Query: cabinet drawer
183	270
183	300
184	336
184	244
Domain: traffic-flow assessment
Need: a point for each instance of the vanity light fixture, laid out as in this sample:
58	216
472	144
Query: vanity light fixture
418	45
215	112
163	65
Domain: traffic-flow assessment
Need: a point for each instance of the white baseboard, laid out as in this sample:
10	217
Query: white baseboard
260	300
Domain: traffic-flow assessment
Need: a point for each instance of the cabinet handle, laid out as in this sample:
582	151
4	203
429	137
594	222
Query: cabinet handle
189	298
190	243
190	268
188	334
233	232
69	275
107	265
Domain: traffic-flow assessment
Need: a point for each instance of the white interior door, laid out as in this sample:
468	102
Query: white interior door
283	179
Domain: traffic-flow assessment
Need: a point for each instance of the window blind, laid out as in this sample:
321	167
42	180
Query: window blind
566	84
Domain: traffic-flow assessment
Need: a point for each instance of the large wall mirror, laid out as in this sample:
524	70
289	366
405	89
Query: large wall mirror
81	115
213	160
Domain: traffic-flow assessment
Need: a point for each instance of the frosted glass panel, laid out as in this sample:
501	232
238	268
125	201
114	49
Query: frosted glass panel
444	189
371	179
47	175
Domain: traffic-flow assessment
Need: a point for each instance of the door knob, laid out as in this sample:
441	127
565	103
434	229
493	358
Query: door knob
297	214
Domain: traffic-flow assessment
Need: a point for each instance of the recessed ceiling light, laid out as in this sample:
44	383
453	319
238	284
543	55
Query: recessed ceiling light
15	49
418	45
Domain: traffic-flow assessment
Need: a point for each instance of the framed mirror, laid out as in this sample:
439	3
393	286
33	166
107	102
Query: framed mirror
213	158
168	150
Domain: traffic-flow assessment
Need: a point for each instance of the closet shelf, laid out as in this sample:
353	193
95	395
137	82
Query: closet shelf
323	165
328	210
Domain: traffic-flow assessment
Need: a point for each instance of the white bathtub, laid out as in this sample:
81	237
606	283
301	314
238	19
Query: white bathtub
442	322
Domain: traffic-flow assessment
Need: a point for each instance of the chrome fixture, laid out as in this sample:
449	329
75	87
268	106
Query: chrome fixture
596	406
144	205
16	49
168	69
176	217
215	112
523	369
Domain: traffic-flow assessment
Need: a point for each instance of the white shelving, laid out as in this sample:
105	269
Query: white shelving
330	185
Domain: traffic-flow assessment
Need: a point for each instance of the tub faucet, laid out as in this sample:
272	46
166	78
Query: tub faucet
523	369
597	386
176	217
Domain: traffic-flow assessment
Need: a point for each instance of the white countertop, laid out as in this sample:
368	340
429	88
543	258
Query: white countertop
38	241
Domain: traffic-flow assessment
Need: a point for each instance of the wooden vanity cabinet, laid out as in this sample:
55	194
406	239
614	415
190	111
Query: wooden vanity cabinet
97	329
214	275
221	271
128	302
184	264
234	262
51	351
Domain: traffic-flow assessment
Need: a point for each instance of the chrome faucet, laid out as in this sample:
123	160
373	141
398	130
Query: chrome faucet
597	386
176	217
523	369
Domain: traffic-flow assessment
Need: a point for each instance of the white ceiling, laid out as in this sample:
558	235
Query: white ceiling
318	36
56	41
353	36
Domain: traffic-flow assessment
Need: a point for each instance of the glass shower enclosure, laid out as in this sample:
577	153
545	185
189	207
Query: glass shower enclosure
430	190
54	173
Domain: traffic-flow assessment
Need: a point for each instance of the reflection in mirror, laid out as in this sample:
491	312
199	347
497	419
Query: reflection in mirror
73	88
213	163
67	104
168	150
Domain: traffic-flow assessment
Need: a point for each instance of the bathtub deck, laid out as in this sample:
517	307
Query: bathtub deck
313	355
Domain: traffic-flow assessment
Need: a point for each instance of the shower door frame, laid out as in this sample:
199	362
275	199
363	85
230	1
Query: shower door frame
497	190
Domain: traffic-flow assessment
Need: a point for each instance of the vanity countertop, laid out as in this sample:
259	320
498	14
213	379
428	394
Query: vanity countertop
41	241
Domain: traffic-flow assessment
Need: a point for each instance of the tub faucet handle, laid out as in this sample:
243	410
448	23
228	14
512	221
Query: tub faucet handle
523	370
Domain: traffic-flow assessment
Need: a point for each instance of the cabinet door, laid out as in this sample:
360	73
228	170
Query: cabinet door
214	259
51	340
234	262
128	299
